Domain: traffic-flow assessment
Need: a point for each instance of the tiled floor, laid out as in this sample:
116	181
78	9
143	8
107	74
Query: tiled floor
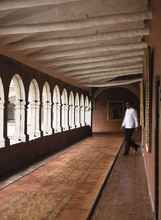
65	187
125	195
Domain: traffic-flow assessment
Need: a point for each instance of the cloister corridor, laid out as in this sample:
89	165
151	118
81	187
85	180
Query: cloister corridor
80	87
67	186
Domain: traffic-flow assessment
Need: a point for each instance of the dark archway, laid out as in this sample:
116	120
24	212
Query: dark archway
105	119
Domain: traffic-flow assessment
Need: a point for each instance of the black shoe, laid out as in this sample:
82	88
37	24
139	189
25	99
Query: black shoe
136	146
125	153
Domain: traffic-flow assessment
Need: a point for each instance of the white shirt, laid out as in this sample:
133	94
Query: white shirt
130	119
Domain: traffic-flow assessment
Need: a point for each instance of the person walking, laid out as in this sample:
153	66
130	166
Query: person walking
129	125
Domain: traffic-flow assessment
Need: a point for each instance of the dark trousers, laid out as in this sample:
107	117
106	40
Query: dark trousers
129	142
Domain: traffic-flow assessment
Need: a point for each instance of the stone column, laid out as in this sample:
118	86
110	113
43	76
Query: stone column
86	115
52	117
49	112
89	116
59	117
84	122
63	117
73	116
74	109
20	121
31	120
54	120
66	108
82	116
77	115
45	115
38	131
70	116
5	121
2	139
26	120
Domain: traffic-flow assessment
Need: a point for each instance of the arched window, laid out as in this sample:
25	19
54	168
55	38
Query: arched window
2	142
86	109
77	111
16	111
56	109
33	116
46	110
64	100
82	111
71	111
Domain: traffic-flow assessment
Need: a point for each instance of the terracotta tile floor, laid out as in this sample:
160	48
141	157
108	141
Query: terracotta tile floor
125	195
65	186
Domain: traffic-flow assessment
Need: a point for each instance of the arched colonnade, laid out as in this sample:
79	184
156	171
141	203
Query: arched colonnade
47	112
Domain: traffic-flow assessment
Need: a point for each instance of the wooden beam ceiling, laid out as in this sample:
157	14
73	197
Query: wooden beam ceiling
75	40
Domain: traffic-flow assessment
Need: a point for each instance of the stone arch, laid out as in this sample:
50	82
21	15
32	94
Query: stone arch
71	110
56	109
123	93
33	116
46	110
77	110
64	100
89	114
86	109
16	110
82	110
106	104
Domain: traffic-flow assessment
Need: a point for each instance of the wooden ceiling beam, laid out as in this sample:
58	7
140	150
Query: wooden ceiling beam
111	76
111	63
116	83
73	25
104	69
109	73
89	50
108	57
80	40
21	4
